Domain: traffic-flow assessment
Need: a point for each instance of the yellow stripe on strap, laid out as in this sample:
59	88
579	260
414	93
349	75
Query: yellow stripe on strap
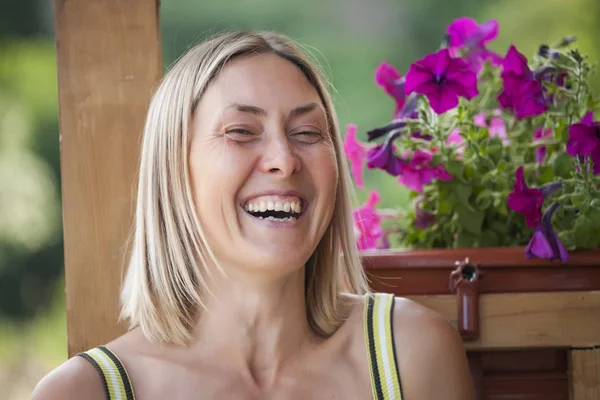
380	348
392	380
111	373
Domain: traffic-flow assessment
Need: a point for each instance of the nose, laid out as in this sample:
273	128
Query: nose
279	157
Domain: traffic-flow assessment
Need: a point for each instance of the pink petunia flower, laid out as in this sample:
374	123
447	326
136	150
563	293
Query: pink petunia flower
356	153
466	35
418	172
495	125
367	224
387	77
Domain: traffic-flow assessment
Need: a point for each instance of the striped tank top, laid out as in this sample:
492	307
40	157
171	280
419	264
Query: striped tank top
378	329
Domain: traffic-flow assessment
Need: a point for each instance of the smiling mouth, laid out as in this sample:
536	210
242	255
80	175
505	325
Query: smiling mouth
277	211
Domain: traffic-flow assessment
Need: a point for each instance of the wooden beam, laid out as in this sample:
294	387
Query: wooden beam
585	373
529	320
109	61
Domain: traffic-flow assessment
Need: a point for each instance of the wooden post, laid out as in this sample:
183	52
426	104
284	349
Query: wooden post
109	61
585	373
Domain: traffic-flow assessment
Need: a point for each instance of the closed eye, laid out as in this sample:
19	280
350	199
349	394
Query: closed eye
308	137
240	131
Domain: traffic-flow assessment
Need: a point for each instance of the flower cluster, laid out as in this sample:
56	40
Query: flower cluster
496	150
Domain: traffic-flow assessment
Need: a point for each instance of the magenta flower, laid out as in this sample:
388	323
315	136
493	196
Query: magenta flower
495	125
521	90
442	80
545	243
528	201
367	224
584	140
356	153
383	156
540	151
418	172
392	82
465	34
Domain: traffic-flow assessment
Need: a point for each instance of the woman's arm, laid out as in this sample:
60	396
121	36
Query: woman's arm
432	359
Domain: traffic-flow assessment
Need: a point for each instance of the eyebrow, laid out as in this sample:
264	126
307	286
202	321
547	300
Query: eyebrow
245	108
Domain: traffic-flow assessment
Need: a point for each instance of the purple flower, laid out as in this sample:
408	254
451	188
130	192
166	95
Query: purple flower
392	82
419	135
584	140
456	139
521	90
383	156
442	80
356	153
528	201
540	151
367	224
384	130
423	219
545	243
465	34
418	172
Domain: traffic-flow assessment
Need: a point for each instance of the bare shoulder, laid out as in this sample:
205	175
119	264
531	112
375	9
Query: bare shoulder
76	378
431	356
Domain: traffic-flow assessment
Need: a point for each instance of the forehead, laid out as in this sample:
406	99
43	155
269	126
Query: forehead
267	81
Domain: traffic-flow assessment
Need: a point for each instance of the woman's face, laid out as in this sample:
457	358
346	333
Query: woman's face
262	165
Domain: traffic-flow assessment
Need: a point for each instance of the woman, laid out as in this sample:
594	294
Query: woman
237	288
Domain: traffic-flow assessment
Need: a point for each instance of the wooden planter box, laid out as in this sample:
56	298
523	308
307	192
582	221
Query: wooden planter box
539	321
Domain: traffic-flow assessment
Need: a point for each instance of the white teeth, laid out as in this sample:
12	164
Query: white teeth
274	205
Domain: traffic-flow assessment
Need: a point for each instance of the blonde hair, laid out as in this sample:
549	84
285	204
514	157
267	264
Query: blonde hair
165	281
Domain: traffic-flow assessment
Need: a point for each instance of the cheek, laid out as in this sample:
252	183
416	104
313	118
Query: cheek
325	172
216	176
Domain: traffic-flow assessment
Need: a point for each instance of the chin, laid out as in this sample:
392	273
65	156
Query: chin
280	261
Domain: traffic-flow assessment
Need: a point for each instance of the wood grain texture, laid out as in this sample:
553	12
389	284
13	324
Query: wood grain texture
585	374
529	320
109	61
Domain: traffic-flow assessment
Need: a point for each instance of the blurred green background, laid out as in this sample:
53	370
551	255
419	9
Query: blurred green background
349	39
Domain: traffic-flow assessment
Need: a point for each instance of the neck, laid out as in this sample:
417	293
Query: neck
257	324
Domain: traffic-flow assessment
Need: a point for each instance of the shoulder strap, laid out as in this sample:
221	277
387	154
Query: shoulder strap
385	379
115	379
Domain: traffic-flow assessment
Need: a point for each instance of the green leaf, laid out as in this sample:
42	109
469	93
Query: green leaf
436	159
500	227
546	175
445	202
465	239
593	214
469	219
455	168
483	200
578	198
470	171
462	192
489	239
583	231
562	164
